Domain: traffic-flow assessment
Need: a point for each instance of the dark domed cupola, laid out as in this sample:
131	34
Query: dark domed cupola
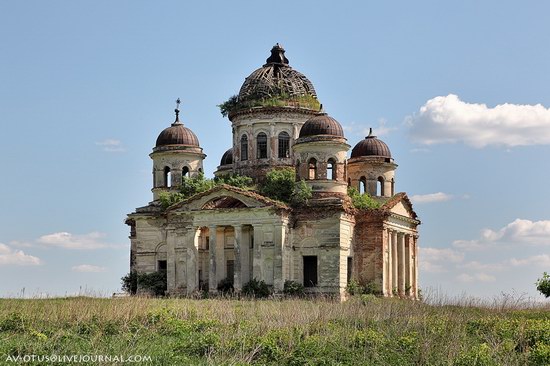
227	157
371	146
371	168
320	156
322	124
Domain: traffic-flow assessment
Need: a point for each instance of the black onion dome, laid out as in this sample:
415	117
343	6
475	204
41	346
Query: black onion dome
322	124
275	78
227	157
371	146
177	134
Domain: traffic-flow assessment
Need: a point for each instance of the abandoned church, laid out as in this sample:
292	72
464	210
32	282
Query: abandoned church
234	234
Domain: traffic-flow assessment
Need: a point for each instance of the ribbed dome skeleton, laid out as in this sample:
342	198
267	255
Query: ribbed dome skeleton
275	78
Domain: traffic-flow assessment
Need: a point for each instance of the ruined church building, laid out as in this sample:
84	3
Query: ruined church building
238	234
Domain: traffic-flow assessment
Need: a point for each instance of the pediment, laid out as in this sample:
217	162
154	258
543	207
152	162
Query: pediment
224	197
400	204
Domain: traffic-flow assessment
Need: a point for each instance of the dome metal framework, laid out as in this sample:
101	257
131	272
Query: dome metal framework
275	78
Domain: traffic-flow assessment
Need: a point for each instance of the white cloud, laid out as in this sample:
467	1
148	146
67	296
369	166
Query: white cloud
481	277
431	197
88	268
8	256
518	232
449	120
542	260
381	130
111	145
419	150
436	260
70	241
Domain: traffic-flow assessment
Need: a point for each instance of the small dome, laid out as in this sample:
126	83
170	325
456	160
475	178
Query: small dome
227	157
177	134
322	124
371	146
275	78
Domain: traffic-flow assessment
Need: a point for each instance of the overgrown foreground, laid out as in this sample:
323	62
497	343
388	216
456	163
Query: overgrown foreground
367	331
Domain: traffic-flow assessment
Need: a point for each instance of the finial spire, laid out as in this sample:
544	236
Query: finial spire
277	56
177	110
370	133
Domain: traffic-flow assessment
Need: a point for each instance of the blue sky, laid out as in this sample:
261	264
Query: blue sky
458	90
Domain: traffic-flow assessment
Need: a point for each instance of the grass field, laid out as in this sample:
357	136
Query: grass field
361	331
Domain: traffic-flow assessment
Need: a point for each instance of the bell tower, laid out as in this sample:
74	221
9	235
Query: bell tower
177	154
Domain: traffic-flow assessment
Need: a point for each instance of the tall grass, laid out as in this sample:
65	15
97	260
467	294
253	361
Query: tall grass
367	330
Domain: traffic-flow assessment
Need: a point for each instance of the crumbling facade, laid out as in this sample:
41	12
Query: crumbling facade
237	234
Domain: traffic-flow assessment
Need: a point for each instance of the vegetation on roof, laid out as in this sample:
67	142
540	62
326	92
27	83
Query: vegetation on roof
233	104
362	201
279	186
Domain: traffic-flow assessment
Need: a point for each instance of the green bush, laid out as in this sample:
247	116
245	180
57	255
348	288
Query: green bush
293	288
362	201
279	184
301	193
129	282
226	286
543	284
197	184
153	283
236	180
256	289
356	288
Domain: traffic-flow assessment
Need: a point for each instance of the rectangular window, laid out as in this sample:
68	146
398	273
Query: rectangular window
310	270
230	269
207	243
284	142
350	268
162	265
261	145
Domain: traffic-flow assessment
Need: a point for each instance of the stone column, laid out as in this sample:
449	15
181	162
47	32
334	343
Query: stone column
278	242
407	264
212	273
394	261
245	256
221	269
401	264
415	267
192	262
257	260
171	260
237	278
389	268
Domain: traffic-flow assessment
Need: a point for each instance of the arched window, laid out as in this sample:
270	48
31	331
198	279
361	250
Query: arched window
331	169
312	169
167	177
284	145
185	172
380	186
362	185
261	144
244	147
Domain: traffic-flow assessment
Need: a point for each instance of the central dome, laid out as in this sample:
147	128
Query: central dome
276	79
